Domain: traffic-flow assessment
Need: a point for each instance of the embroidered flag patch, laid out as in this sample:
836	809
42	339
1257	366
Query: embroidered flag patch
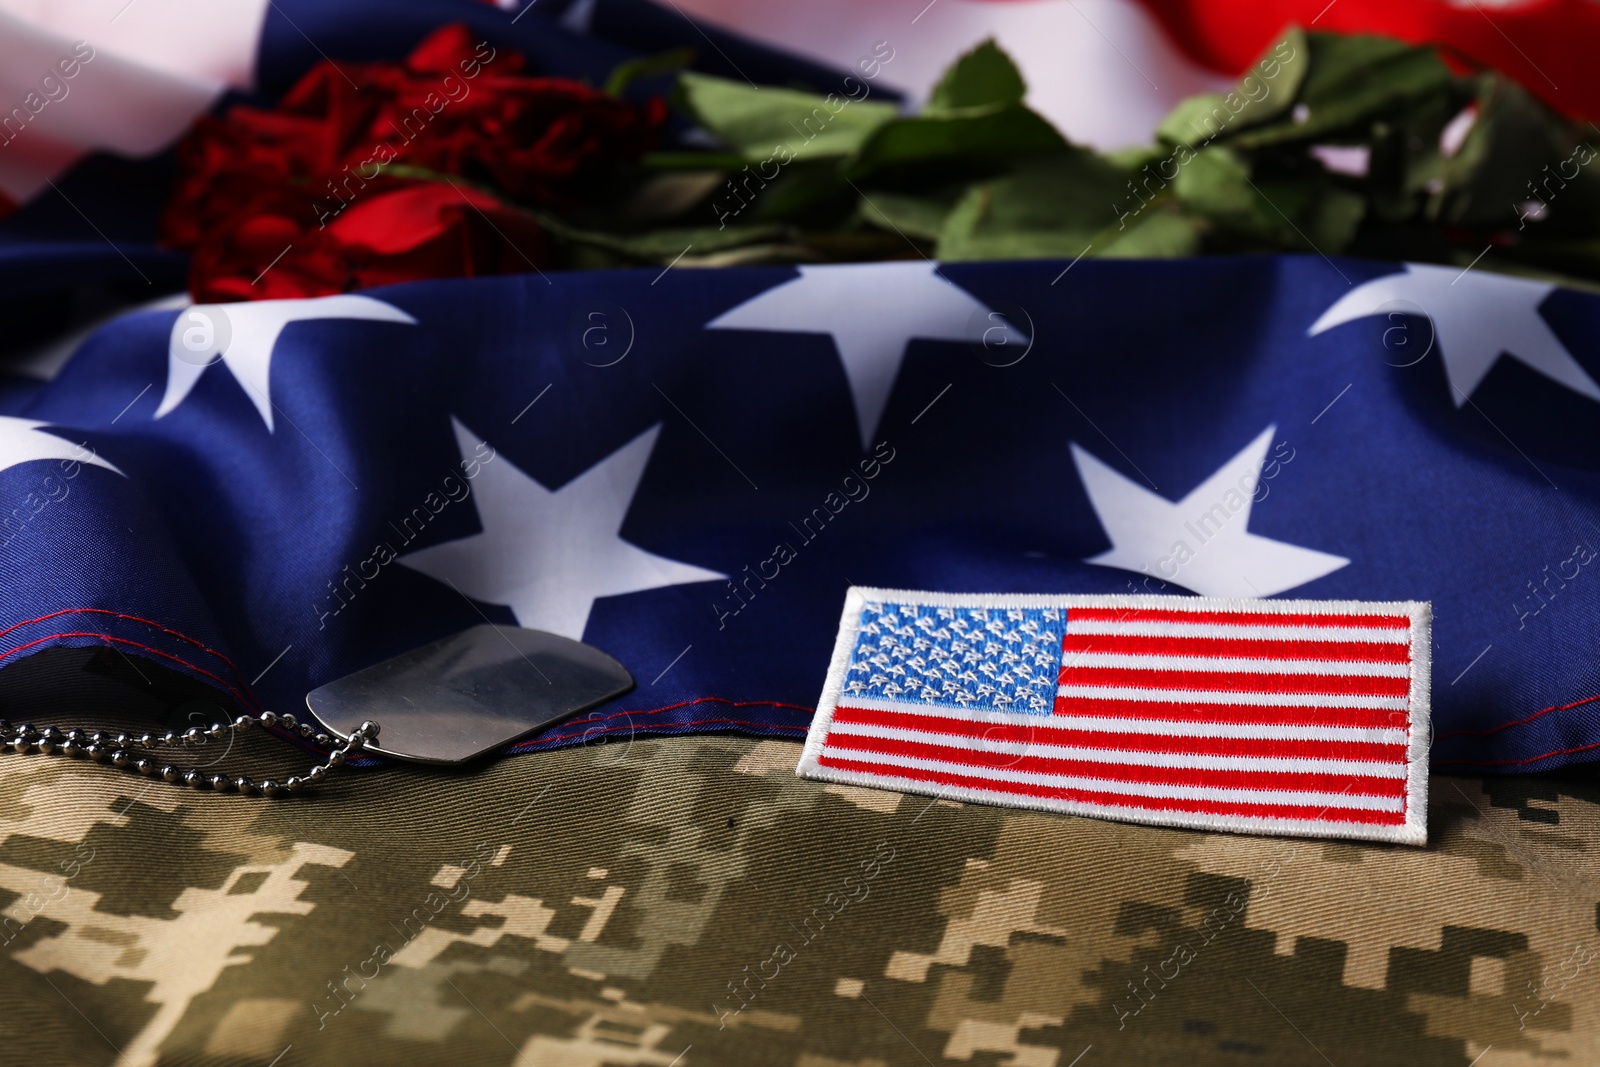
1298	717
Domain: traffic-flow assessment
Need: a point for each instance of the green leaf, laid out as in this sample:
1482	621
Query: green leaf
1195	120
1303	215
975	123
1215	182
1334	217
909	214
1283	67
983	78
665	196
1264	93
771	123
1051	207
811	193
975	143
1132	159
1159	233
1502	161
626	73
1350	83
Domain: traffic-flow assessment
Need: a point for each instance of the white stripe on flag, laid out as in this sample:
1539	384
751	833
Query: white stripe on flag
1232	664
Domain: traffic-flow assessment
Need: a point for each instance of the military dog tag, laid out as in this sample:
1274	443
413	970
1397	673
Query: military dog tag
471	693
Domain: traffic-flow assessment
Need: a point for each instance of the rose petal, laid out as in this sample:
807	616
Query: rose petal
401	219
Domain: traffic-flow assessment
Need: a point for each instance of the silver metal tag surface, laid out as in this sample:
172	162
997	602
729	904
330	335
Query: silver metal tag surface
471	693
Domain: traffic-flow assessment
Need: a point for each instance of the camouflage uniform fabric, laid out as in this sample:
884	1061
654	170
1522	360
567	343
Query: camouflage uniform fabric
685	901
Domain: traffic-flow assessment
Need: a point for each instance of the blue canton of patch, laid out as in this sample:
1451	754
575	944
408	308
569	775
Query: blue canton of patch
1006	659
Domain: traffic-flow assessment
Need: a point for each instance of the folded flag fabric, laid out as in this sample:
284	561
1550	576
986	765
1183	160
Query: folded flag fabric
76	81
1289	717
1105	71
688	469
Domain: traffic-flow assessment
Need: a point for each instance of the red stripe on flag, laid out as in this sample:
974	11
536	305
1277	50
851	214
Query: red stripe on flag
1237	618
1117	800
1265	715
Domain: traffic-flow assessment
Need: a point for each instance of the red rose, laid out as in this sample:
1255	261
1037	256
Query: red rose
303	200
429	230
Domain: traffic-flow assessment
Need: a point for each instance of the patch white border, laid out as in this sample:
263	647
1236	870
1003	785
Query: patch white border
1414	831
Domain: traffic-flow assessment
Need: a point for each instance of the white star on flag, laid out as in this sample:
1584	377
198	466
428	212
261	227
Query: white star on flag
872	311
23	440
1478	317
1201	542
243	337
546	554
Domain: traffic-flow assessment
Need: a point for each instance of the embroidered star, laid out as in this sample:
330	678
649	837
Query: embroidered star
22	440
1200	542
242	337
547	554
1478	317
872	311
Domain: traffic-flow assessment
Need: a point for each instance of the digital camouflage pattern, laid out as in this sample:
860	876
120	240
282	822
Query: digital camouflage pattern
689	901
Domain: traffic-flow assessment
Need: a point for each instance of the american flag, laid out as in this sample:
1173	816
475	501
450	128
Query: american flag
1291	717
378	470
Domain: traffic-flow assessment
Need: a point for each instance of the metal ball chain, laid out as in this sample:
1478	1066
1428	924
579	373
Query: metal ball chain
110	748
